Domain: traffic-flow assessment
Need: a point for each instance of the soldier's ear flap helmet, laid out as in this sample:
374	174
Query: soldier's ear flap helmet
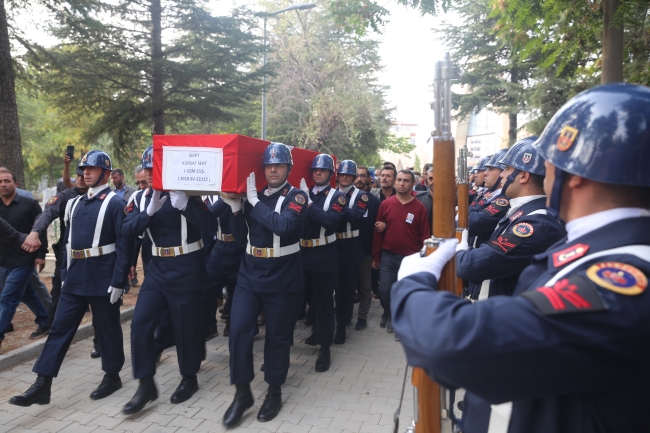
496	158
323	160
277	153
97	158
147	157
482	162
347	166
602	134
522	156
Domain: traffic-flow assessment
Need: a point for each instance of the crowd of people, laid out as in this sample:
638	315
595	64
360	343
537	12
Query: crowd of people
549	330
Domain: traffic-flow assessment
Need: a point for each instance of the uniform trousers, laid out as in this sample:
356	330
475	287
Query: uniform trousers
184	308
280	312
365	287
219	278
319	287
345	290
56	286
69	313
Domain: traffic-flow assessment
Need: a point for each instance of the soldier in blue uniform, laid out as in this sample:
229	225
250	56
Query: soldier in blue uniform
349	246
479	182
568	352
175	276
94	272
270	278
319	254
526	230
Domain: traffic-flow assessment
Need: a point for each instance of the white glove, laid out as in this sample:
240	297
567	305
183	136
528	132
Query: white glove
463	245
432	264
305	188
251	190
156	203
234	203
116	294
178	199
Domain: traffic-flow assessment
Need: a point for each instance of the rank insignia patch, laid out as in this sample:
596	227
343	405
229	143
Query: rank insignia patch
516	215
285	191
523	230
491	210
618	277
501	202
341	200
574	294
567	136
101	197
53	200
505	243
128	208
565	256
299	199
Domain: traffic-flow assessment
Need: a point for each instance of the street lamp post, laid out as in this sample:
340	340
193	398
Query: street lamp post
266	15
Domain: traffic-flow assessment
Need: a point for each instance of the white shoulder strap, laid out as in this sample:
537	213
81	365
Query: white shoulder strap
278	209
100	219
539	212
69	244
326	206
352	199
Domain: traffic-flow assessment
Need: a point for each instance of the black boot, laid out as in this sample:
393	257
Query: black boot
95	352
146	392
272	404
339	337
226	330
38	393
110	384
323	361
311	340
243	400
185	390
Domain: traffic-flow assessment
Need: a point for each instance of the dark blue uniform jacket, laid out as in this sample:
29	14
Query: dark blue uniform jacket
483	221
228	255
350	251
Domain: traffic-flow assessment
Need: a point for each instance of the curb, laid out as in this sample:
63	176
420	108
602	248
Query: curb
32	350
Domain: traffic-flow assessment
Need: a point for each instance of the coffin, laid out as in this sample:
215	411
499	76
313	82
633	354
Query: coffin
207	164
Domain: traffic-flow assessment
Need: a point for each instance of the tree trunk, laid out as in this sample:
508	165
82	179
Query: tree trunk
11	154
612	62
157	69
512	117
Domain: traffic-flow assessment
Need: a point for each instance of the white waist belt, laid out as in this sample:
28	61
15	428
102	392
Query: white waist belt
347	235
267	253
310	243
177	251
92	252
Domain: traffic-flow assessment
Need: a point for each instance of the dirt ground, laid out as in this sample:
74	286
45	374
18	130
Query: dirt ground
24	319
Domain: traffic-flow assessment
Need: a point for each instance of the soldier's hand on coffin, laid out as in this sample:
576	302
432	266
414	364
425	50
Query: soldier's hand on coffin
463	245
251	190
178	199
156	203
116	294
234	203
432	264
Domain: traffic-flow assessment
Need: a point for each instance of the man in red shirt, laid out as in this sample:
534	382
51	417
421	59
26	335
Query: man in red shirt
401	228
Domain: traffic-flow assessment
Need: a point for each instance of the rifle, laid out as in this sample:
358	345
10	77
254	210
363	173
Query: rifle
431	400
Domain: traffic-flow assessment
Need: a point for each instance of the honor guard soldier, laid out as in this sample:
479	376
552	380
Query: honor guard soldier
319	254
478	201
94	271
270	278
568	352
349	246
524	231
175	276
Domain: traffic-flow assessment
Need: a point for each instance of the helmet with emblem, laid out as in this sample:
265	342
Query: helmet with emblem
147	157
523	156
482	162
96	158
323	160
347	166
495	160
277	153
602	134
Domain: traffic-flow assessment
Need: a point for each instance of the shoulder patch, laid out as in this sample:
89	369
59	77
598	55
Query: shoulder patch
523	230
618	277
502	202
574	294
505	243
364	197
299	198
568	255
53	200
341	199
516	215
128	209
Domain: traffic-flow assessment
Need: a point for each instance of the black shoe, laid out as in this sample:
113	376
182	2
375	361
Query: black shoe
110	384
311	340
38	393
323	361
212	332
146	392
272	404
339	337
226	330
243	400
95	353
309	321
41	331
10	328
389	327
384	319
185	390
361	324
262	368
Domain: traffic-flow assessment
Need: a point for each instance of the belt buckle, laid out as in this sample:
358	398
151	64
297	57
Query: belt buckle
306	243
339	235
78	254
260	252
228	238
166	252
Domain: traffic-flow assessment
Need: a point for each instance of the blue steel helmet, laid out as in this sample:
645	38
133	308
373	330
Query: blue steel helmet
524	157
96	158
602	134
277	153
482	162
474	169
323	160
147	157
347	166
496	158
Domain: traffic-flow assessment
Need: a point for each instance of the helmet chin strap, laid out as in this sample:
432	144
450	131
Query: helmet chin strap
101	176
511	178
556	195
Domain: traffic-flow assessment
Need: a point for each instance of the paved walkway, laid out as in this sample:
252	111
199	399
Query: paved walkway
359	393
